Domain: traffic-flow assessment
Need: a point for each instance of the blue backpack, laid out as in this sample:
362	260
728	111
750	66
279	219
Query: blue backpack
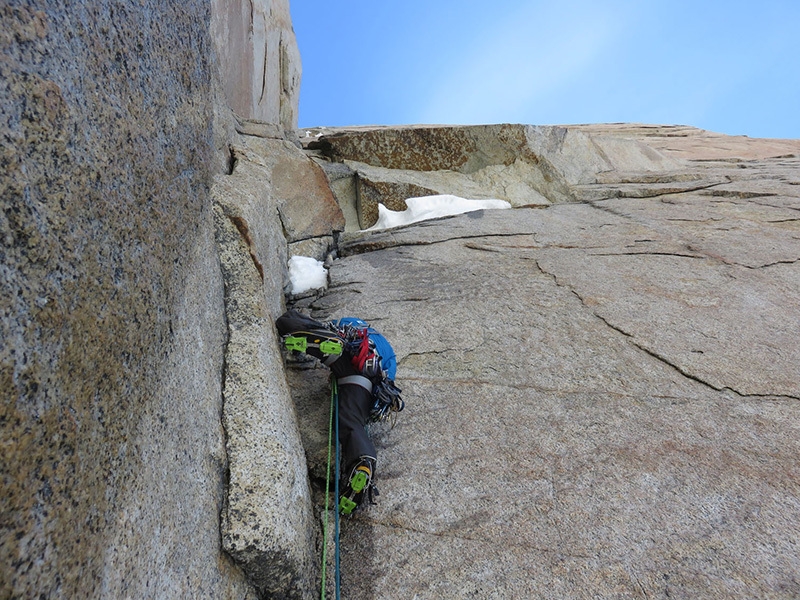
382	346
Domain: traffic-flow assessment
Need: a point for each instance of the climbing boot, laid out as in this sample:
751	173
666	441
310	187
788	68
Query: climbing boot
357	485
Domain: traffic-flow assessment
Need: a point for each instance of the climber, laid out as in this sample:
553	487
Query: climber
364	364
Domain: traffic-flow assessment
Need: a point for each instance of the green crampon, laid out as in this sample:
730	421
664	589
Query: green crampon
331	347
359	481
297	343
346	506
300	343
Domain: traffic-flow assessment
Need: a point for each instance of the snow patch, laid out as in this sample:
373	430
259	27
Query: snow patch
432	207
307	273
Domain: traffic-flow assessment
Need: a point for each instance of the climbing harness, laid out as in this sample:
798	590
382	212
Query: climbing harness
357	380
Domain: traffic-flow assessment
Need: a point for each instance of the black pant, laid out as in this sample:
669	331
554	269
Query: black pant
355	402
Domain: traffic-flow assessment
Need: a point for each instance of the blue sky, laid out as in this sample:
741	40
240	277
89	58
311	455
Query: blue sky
727	66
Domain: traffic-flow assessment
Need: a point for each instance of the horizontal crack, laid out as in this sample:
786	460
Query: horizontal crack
481	540
739	194
664	191
775	205
777	262
341	286
762	396
411	299
539	389
472	381
355	248
698	253
644	253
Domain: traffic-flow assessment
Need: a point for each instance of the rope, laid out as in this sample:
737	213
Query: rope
337	569
336	510
327	491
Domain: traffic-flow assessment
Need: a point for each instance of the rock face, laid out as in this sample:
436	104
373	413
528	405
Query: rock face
601	394
601	385
523	164
275	199
259	61
111	305
121	324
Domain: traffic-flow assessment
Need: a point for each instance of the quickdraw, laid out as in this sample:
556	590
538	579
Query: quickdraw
362	349
387	401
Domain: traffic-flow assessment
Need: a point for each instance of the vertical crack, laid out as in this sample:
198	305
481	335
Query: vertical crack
244	230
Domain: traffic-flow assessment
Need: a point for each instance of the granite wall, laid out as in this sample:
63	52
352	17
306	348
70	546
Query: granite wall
259	60
113	122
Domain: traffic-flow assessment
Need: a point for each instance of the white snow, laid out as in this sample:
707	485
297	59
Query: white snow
431	207
307	273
